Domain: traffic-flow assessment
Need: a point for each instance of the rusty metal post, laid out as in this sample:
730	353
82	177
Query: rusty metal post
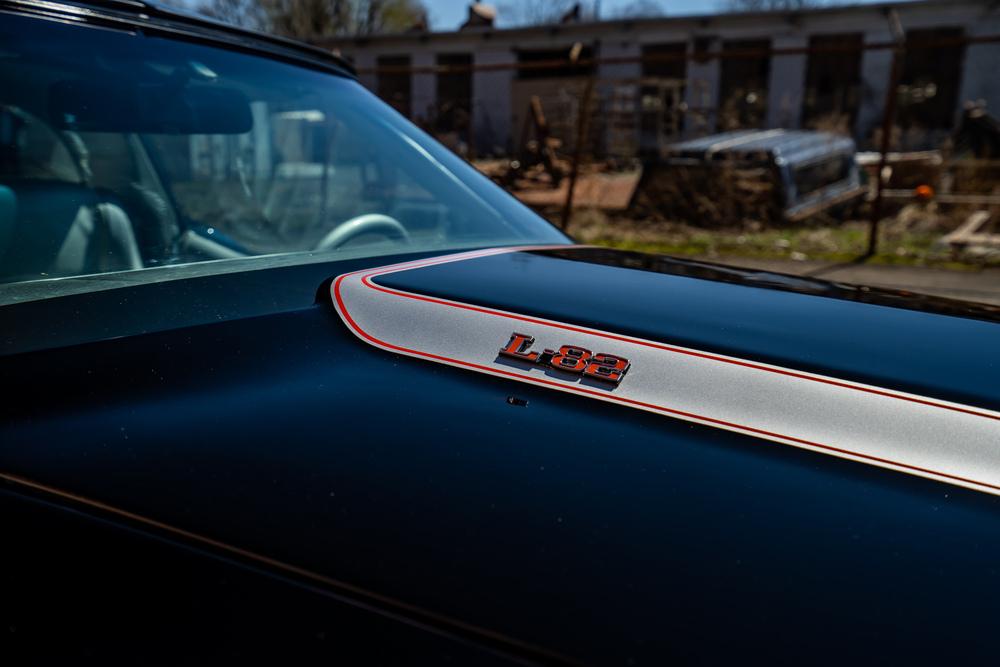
582	126
888	120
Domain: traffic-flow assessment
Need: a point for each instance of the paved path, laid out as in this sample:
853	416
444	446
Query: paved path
982	285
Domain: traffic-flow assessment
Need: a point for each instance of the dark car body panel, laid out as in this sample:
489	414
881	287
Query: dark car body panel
587	529
204	466
86	591
894	346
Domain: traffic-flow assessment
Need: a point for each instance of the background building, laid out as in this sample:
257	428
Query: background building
657	80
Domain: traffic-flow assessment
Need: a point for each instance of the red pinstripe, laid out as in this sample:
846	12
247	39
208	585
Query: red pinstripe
369	273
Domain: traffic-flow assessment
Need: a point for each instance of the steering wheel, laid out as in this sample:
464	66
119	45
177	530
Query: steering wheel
369	223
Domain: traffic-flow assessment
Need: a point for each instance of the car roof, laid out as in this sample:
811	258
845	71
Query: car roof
782	145
152	15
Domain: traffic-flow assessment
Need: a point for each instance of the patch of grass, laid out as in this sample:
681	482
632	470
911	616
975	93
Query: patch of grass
832	243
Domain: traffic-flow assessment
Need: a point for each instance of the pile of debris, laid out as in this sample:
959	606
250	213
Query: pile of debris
977	239
714	196
539	176
599	185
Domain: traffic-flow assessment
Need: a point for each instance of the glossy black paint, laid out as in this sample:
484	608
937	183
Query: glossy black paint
116	307
893	340
81	591
240	408
676	266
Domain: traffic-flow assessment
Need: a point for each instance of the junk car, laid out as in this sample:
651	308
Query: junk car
769	176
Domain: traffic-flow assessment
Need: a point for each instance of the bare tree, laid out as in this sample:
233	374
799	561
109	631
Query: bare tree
383	16
307	19
314	19
244	13
637	9
771	5
533	12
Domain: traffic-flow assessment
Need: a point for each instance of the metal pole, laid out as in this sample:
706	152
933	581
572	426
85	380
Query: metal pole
888	120
582	123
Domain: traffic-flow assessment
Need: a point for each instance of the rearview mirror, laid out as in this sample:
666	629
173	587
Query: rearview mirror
159	108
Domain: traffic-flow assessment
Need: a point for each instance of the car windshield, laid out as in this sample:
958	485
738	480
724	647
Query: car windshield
122	151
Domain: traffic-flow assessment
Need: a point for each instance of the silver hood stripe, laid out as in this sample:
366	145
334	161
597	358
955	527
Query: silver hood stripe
922	436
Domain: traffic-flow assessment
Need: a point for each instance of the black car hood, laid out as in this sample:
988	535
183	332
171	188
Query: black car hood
889	338
485	507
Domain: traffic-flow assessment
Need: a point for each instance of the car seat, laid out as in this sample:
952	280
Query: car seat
62	229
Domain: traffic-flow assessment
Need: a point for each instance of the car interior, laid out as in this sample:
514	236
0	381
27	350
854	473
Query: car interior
120	152
86	202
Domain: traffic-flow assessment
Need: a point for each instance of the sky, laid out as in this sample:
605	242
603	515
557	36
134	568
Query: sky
449	14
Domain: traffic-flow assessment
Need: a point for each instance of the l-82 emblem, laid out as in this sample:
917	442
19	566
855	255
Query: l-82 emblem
568	358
